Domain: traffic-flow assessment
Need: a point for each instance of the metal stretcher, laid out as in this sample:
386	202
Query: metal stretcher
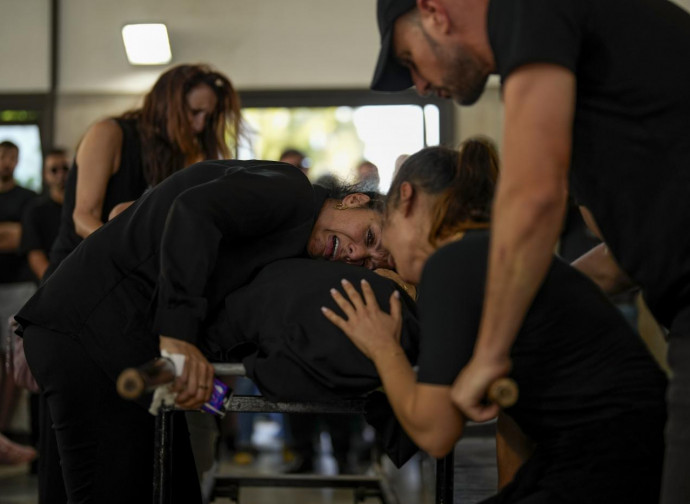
229	485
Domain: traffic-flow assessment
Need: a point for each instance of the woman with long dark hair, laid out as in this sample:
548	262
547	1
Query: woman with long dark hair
188	116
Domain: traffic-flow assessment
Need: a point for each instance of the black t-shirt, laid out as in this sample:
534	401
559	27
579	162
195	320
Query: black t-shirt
576	361
40	225
631	154
13	265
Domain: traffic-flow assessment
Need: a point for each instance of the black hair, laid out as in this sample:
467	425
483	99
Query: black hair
9	145
292	152
336	189
55	151
464	181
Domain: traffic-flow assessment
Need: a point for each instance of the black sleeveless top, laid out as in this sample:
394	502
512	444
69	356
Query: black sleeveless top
127	184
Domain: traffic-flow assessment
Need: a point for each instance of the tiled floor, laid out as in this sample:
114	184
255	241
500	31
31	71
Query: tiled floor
475	479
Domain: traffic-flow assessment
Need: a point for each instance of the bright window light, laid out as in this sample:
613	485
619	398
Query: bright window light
147	44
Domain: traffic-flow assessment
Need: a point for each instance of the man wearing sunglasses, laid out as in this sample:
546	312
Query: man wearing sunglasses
41	220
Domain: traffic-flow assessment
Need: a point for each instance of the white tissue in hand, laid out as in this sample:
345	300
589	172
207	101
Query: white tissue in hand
163	395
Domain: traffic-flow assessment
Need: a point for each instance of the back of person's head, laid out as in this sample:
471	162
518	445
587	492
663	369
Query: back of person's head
55	151
168	137
9	145
463	182
296	158
367	174
291	153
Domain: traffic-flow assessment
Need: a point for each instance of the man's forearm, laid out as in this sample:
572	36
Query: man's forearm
523	237
530	201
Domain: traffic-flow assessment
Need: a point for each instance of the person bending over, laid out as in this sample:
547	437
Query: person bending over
192	113
591	396
150	280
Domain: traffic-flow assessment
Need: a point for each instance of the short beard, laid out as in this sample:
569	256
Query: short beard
463	79
465	70
4	177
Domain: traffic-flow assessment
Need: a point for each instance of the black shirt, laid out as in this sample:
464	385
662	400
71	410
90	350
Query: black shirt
631	154
169	260
13	265
290	350
576	361
40	225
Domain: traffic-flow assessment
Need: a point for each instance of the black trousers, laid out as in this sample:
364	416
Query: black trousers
51	487
105	443
676	482
615	461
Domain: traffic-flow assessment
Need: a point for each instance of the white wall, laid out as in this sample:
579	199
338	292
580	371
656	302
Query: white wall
24	51
258	44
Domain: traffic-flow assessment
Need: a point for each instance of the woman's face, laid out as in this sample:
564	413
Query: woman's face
406	235
201	102
352	235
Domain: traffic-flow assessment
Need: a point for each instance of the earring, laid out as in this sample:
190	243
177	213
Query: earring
341	206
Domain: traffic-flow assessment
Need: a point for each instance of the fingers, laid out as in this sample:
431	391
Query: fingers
208	391
352	293
482	413
343	303
369	296
340	322
396	306
180	382
195	384
186	396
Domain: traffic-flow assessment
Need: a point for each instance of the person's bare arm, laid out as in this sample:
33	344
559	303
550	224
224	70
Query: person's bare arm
119	208
98	158
425	411
599	265
10	236
527	218
38	262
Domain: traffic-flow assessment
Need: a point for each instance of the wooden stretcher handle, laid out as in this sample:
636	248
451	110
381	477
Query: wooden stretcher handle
503	392
134	382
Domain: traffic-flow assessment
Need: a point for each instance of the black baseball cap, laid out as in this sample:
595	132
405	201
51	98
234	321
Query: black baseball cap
389	74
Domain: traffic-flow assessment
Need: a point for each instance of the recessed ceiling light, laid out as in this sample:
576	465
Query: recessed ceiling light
147	44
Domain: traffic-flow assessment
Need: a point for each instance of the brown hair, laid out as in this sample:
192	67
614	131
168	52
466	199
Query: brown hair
463	180
167	137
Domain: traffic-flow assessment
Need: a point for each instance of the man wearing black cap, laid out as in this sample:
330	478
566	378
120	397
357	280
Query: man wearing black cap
596	102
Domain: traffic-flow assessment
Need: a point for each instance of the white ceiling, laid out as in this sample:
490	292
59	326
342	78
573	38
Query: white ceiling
259	44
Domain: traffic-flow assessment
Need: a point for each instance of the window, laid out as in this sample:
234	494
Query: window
26	120
339	129
29	171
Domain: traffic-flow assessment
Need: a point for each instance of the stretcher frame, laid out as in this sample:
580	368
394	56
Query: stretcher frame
229	486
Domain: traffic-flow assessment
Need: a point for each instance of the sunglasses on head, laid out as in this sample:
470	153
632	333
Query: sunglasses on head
55	169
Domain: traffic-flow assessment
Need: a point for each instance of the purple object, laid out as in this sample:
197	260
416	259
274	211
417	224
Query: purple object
220	397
